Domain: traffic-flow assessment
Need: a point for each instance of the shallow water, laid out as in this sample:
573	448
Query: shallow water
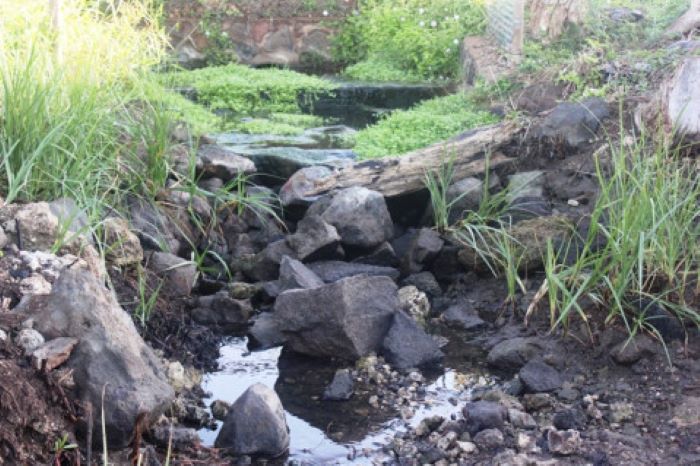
300	382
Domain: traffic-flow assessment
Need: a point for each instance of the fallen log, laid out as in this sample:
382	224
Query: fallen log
393	176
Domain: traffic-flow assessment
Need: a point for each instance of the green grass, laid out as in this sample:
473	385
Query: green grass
374	69
282	124
248	91
642	243
429	122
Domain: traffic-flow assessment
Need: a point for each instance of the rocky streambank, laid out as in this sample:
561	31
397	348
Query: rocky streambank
110	329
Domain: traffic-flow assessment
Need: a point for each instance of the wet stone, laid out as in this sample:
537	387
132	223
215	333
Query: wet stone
540	377
569	419
341	387
480	415
489	439
219	409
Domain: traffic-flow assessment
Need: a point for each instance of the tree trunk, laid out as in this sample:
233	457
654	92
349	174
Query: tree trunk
406	174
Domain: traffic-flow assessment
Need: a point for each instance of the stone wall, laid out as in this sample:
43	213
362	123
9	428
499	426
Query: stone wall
290	33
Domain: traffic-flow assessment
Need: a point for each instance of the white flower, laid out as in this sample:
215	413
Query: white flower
403	19
421	24
421	11
456	41
433	24
448	50
325	12
456	17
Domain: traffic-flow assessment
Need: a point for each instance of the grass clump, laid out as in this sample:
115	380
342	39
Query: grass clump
248	91
429	122
419	37
641	249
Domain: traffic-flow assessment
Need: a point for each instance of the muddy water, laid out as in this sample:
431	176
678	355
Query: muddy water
324	432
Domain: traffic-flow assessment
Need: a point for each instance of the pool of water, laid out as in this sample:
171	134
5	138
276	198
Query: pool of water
322	432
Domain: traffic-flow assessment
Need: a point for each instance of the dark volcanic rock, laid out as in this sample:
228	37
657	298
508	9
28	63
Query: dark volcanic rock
294	274
480	415
265	332
383	255
332	271
341	387
461	315
407	346
222	310
347	319
214	161
513	353
255	424
265	265
425	282
540	377
110	355
422	249
315	240
573	123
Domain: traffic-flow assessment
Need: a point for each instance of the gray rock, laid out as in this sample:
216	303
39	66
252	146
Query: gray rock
29	340
265	332
681	100
3	335
347	319
407	346
315	240
462	316
480	415
424	281
222	310
110	356
514	353
122	247
573	123
219	409
53	353
71	218
565	443
152	226
4	239
332	271
255	424
422	249
383	255
540	377
341	387
178	275
569	419
526	184
521	420
214	161
293	191
630	351
37	227
265	265
360	216
489	439
174	437
294	274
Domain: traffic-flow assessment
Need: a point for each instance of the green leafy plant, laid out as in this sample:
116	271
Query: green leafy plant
147	298
61	446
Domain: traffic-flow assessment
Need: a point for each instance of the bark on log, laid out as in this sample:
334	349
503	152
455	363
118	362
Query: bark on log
402	175
688	21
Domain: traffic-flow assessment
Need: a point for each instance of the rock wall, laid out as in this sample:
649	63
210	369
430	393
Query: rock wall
290	33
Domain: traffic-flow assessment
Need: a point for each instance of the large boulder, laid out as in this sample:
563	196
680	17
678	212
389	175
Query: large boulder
315	240
255	424
573	123
110	357
347	319
360	215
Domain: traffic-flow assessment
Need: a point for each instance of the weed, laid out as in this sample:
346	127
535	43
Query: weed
60	446
147	298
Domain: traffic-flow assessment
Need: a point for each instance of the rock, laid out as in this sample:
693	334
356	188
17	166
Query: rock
464	317
415	304
255	424
347	319
480	415
566	442
463	195
632	350
422	249
540	377
526	184
467	447
425	282
110	356
37	227
265	332
537	401
4	239
71	218
665	322
219	409
122	247
360	216
573	123
569	419
29	340
53	353
315	240
407	346
341	387
539	97
679	100
3	336
222	310
383	255
175	438
687	412
514	353
214	161
243	290
152	226
265	265
294	275
446	267
176	375
292	193
521	420
333	271
178	275
621	412
529	242
489	439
